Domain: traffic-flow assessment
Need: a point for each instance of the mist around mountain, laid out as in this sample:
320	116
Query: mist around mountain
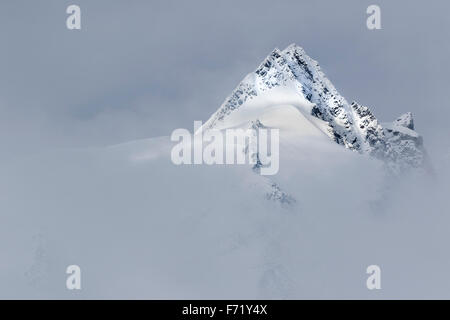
350	192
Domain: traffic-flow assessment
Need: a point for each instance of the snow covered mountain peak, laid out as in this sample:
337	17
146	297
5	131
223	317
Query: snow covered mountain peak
290	77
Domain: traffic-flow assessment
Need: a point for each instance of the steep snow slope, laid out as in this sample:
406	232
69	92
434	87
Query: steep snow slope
291	77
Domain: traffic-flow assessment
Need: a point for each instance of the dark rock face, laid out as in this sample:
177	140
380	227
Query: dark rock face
396	143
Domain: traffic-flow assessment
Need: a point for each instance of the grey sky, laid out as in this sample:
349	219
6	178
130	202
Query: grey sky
142	68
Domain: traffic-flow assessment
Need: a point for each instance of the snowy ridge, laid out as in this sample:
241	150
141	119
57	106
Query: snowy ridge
291	77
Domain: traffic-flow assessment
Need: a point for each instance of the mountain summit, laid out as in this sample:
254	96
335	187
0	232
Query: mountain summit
291	78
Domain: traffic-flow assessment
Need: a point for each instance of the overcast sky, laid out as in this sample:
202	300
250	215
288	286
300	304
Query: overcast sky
140	69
